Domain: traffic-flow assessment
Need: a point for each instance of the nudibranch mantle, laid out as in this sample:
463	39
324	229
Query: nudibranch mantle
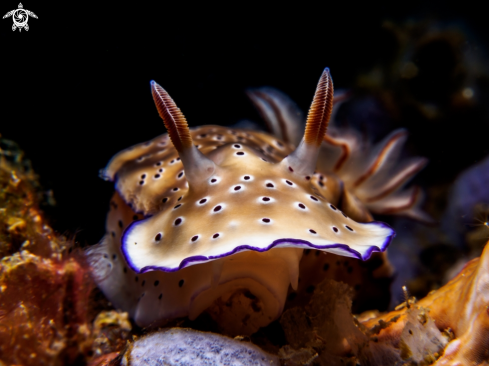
252	200
222	211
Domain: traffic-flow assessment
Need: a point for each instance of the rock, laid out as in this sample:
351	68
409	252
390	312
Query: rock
180	347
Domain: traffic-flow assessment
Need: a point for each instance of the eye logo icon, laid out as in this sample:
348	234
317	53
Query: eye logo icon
20	17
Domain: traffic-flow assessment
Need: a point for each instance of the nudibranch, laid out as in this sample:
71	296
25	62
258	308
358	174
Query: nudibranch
216	219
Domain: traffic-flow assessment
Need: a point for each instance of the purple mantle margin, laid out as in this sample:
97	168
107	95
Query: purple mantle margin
276	243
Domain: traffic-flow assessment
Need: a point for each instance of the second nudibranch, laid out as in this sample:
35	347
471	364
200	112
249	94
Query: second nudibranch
217	220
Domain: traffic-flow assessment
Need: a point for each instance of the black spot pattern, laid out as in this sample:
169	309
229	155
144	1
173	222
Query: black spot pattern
292	296
310	289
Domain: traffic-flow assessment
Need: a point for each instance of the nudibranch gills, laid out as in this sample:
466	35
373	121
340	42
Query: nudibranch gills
373	174
280	114
249	202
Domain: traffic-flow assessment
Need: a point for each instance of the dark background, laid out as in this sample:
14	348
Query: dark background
75	88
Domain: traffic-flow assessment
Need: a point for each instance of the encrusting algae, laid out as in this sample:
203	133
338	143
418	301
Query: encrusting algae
21	224
44	290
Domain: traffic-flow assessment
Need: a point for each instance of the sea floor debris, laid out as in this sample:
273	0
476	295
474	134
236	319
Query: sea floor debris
327	330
